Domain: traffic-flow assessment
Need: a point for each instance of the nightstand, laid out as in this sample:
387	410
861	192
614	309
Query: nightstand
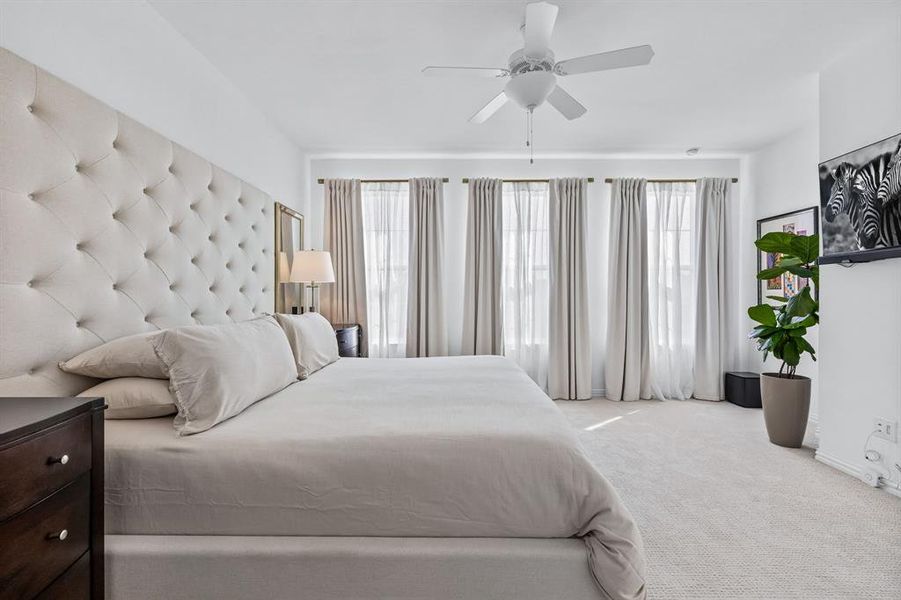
51	498
348	339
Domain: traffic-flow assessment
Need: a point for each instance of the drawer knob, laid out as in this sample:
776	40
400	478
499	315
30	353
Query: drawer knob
64	459
62	535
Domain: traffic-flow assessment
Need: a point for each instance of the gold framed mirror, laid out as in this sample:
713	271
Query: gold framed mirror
289	238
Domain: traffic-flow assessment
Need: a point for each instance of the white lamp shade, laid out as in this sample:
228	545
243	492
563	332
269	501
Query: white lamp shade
312	266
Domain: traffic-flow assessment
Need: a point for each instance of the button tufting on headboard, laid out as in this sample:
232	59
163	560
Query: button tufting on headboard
109	226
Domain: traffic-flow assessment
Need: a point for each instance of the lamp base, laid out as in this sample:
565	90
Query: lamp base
314	296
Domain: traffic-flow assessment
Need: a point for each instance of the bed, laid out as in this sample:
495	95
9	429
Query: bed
464	447
414	478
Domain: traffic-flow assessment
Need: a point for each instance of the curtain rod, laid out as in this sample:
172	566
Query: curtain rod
443	180
466	180
610	180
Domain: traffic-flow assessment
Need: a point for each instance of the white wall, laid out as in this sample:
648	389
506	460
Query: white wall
127	55
860	336
781	177
455	211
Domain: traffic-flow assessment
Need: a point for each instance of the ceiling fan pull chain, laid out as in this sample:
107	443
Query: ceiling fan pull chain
531	142
527	130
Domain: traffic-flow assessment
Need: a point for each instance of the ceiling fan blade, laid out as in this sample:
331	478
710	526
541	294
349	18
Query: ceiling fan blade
605	61
489	109
487	72
568	106
540	19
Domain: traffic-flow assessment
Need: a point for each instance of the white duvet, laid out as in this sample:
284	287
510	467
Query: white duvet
431	447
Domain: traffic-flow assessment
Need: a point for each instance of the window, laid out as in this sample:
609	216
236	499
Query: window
386	241
671	275
526	285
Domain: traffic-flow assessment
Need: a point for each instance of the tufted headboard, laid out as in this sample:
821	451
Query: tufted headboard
109	229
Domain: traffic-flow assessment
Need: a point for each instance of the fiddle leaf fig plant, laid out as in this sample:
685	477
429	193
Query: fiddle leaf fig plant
782	327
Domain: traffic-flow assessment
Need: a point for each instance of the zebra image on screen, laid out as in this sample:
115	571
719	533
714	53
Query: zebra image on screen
861	202
888	198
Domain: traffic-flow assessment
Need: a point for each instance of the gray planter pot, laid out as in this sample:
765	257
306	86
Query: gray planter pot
786	404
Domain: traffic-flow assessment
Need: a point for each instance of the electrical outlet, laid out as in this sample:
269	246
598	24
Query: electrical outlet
871	477
885	429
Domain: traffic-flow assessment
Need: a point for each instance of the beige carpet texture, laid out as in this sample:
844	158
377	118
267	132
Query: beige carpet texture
727	515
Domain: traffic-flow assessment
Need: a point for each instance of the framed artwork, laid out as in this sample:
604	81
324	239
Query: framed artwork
860	199
800	222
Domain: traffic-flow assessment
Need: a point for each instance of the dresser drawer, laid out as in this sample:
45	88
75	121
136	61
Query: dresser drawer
32	551
74	584
36	467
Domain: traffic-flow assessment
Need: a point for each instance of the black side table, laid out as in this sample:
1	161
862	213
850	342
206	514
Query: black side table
743	389
348	335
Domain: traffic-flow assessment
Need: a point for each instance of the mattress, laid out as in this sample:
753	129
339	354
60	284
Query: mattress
431	447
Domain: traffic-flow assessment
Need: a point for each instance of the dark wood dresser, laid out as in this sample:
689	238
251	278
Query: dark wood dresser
51	498
348	339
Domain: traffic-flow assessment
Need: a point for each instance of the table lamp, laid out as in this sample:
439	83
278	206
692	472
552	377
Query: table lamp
313	267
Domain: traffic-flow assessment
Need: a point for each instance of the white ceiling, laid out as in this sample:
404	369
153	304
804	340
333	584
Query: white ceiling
344	76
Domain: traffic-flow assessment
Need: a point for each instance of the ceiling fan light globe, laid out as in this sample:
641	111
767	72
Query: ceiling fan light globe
531	89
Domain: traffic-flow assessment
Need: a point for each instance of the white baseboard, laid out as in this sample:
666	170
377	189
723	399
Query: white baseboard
853	471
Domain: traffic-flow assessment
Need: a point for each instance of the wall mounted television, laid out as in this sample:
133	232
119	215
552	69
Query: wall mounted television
860	204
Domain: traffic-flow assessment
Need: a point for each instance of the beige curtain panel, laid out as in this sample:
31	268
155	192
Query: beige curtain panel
483	309
569	351
627	365
345	300
711	318
426	324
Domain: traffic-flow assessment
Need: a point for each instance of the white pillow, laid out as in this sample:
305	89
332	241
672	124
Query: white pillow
217	371
134	398
130	356
312	339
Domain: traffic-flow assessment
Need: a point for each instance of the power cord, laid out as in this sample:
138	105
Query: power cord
871	455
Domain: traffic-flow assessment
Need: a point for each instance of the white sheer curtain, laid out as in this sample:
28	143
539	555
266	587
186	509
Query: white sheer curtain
526	290
671	274
386	234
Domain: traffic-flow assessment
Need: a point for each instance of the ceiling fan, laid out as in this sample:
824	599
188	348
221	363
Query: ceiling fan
533	70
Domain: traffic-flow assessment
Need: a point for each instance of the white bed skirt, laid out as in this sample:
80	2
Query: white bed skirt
346	568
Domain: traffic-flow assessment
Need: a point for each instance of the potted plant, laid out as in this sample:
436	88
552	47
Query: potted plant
781	331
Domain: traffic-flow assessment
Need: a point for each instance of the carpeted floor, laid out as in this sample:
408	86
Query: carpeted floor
727	515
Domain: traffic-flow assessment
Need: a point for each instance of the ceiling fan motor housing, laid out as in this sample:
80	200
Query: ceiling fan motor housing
520	63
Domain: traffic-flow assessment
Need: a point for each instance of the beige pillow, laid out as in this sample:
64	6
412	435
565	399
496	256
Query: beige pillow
312	340
134	398
217	371
130	356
